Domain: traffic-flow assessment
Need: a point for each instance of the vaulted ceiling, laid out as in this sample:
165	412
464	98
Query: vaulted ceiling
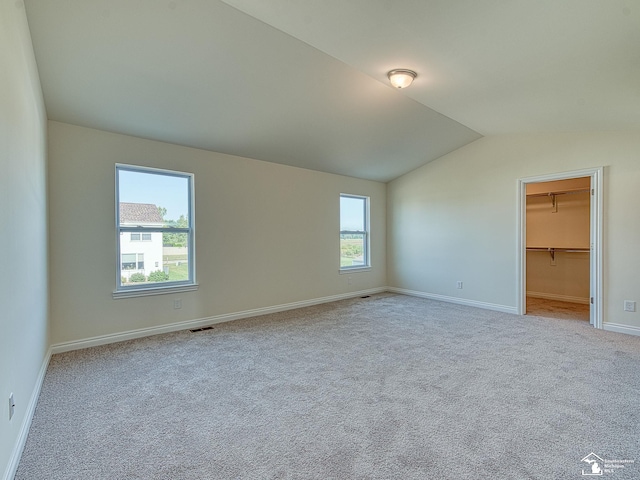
303	82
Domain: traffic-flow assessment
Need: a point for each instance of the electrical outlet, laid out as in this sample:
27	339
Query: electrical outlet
459	285
177	304
12	406
629	306
348	280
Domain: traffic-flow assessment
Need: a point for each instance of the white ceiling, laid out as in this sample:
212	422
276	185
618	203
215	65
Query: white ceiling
304	82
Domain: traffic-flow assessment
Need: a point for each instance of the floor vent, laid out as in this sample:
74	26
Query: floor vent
366	296
200	329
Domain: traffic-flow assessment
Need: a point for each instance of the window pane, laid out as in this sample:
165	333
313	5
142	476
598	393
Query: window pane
352	250
175	261
352	213
152	263
150	199
146	237
135	237
128	261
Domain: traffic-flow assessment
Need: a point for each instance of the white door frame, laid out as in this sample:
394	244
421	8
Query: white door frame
595	268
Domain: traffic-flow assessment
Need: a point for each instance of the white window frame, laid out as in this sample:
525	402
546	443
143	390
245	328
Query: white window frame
126	291
365	233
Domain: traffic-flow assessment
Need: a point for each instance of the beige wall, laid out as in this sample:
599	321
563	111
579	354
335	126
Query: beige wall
456	218
23	243
566	275
266	234
565	228
565	278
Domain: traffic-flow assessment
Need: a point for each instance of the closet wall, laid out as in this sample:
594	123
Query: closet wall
558	217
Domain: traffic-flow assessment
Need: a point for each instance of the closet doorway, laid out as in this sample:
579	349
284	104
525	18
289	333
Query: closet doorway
560	246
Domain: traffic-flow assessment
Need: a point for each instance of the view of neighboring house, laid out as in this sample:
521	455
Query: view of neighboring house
140	252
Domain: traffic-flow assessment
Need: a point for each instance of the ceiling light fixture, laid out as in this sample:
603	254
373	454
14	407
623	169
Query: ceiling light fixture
401	78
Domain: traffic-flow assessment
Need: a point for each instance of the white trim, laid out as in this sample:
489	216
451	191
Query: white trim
203	322
596	221
14	458
460	301
348	270
561	298
618	328
596	269
144	292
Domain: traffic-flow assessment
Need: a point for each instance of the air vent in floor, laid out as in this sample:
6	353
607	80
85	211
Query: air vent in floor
200	329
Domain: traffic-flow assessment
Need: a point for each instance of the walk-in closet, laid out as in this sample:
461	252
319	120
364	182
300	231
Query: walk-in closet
557	248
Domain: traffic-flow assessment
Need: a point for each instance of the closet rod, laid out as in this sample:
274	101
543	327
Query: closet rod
552	250
549	249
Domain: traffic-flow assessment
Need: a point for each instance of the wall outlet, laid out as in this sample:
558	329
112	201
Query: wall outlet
459	285
12	406
177	304
629	306
349	281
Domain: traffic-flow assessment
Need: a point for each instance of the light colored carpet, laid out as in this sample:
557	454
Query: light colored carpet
387	387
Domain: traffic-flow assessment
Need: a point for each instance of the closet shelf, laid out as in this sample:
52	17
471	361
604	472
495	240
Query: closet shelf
552	196
552	250
560	192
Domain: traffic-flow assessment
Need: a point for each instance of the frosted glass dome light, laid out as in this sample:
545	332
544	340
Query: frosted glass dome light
401	78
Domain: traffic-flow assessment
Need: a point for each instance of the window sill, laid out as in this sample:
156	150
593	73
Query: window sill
145	292
344	271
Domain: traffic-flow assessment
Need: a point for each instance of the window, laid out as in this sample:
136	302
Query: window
128	261
155	230
354	232
136	237
132	261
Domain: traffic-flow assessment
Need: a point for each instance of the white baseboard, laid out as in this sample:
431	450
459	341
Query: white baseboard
459	301
562	298
616	327
203	322
14	459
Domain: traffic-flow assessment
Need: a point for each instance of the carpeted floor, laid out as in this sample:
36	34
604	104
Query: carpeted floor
387	387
